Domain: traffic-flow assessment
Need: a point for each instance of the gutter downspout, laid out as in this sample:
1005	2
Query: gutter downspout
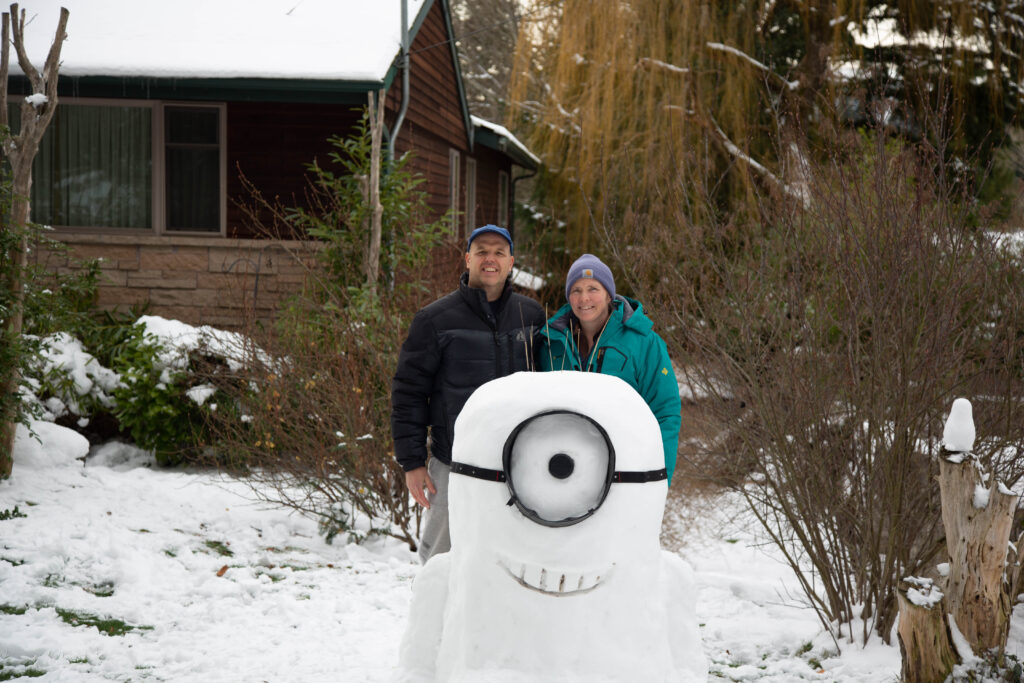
512	201
404	65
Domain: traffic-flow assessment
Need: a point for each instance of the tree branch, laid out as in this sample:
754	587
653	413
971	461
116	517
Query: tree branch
733	150
53	58
760	66
649	64
708	121
18	29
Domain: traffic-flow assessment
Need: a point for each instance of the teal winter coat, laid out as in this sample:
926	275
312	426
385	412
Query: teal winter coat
629	349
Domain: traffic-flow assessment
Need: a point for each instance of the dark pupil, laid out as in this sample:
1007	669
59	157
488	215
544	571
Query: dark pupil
560	466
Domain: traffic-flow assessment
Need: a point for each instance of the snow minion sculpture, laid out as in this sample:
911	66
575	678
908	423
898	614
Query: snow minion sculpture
556	572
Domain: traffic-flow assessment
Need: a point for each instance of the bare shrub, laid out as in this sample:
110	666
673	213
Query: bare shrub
829	348
309	422
307	419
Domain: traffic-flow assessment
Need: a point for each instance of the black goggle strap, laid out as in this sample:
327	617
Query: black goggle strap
477	472
499	475
639	477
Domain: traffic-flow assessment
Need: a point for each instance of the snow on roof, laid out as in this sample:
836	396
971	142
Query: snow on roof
348	40
524	278
504	132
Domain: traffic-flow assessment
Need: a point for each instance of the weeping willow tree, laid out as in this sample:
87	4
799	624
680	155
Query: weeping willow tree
772	180
644	105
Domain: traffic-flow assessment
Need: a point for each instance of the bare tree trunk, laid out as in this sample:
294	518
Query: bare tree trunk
375	113
977	519
926	644
20	151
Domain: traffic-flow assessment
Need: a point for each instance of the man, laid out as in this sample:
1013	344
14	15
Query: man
477	333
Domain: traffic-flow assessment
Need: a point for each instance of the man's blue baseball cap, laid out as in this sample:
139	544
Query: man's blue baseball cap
490	228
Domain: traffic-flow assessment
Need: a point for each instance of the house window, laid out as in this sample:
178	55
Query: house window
94	167
470	194
192	168
131	165
503	198
453	187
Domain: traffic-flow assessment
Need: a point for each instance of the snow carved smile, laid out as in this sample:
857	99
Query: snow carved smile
552	582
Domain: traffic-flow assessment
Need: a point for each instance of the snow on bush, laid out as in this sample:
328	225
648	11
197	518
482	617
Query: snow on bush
70	379
151	391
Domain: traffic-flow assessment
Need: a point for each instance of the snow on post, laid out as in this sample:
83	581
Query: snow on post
977	514
958	434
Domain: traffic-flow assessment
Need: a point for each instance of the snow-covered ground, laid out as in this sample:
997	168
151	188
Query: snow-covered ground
198	582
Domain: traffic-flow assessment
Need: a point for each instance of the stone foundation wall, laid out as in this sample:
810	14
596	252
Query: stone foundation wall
198	280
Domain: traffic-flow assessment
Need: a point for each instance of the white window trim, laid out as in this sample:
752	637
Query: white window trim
471	223
454	185
503	194
159	188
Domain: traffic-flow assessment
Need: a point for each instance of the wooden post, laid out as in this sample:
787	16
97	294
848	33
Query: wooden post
375	113
977	518
926	644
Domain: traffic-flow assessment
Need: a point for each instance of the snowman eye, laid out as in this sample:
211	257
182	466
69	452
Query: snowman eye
559	466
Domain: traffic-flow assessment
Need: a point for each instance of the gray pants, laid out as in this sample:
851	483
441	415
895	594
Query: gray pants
434	539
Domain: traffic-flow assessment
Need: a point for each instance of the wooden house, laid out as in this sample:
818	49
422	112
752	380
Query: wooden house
164	107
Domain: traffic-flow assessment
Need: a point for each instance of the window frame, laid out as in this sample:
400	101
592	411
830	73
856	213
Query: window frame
503	198
160	179
471	222
158	207
454	184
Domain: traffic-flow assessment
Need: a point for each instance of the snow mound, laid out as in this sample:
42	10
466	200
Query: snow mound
52	446
120	456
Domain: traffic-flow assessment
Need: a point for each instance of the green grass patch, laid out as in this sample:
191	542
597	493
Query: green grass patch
170	553
13	563
14	670
110	627
52	581
11	514
286	549
100	590
12	674
272	574
79	660
219	548
11	609
804	649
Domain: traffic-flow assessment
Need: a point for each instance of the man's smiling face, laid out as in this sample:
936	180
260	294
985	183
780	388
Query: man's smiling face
489	261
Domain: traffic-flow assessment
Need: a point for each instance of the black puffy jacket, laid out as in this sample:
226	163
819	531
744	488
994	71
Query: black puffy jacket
455	345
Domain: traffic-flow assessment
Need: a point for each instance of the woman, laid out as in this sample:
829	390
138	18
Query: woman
598	331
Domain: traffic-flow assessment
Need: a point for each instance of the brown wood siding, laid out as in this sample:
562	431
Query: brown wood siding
433	123
488	164
271	143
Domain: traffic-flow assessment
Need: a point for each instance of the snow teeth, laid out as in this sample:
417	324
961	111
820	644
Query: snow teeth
533	576
549	582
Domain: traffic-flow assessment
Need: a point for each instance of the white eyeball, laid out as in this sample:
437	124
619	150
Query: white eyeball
559	467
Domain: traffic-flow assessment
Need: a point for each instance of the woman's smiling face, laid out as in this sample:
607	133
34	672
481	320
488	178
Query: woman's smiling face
589	301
